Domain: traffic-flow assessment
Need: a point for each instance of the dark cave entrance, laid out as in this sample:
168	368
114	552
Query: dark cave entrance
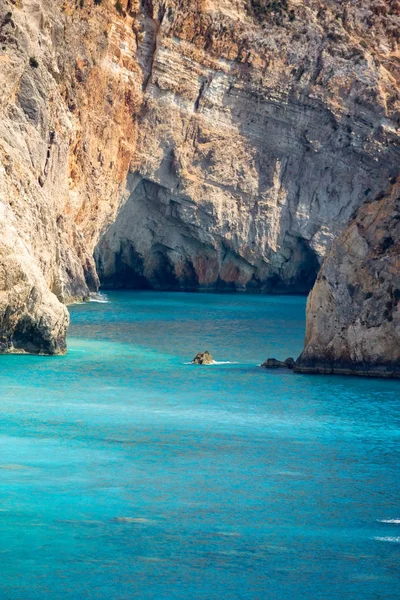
156	243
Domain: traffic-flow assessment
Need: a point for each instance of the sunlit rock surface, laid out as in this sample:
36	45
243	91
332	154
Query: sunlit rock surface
258	137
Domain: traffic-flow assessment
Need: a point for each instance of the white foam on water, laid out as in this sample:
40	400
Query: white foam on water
215	362
395	540
394	521
99	298
224	362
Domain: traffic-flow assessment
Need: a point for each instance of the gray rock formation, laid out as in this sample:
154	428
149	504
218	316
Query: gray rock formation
273	363
353	315
254	146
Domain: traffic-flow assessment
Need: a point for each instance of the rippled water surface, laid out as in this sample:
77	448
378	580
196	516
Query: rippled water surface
126	473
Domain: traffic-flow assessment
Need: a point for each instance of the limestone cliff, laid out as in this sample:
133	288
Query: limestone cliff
68	96
353	316
261	130
187	143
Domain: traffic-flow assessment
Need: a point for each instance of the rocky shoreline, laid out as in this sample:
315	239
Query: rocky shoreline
385	371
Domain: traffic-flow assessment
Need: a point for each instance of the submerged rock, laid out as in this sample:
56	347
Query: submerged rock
203	358
273	363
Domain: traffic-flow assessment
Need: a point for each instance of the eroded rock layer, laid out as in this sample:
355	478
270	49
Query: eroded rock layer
190	144
353	316
260	133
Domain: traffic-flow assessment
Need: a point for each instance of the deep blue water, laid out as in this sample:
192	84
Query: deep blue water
126	473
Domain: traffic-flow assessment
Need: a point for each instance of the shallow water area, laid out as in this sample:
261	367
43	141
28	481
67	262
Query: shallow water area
126	473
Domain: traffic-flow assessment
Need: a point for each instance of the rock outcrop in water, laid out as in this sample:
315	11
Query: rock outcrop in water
273	363
203	358
353	312
190	144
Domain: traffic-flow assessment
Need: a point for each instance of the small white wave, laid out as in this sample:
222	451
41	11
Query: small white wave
99	298
224	362
395	540
394	521
215	362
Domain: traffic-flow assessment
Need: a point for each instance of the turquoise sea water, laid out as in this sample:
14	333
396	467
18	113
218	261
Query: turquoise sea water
126	473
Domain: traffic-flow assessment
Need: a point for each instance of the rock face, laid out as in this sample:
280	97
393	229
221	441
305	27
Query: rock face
259	134
188	144
353	312
63	160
